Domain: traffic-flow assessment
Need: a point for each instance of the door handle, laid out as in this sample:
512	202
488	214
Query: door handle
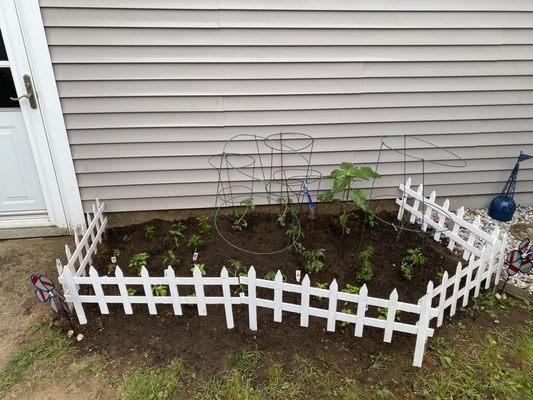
30	93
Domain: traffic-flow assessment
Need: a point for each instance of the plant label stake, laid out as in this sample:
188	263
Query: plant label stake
310	200
195	256
298	275
519	260
113	259
46	293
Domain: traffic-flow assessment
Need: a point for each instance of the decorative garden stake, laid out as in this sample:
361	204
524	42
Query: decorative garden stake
46	293
306	193
503	206
519	260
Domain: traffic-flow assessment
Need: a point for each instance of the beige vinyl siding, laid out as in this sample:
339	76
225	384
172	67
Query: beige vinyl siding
151	89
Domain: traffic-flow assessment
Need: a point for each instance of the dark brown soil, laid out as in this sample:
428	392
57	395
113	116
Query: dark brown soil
203	340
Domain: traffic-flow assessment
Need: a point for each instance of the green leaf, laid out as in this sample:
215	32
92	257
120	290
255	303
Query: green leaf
359	198
366	173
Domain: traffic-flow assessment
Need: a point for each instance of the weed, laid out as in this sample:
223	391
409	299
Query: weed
366	272
177	232
383	312
111	268
116	253
195	243
203	223
380	360
201	267
149	232
171	258
270	275
132	292
345	324
138	261
152	384
414	258
314	260
126	238
160	290
247	361
240	223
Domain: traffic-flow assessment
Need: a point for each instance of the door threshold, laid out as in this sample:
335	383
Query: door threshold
34	232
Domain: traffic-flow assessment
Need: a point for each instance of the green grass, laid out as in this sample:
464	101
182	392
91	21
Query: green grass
496	366
41	354
149	383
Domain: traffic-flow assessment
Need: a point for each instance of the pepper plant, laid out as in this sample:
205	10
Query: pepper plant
414	258
240	222
366	272
195	243
170	258
203	223
177	232
149	232
138	261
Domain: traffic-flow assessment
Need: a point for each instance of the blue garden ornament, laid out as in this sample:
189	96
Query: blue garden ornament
503	206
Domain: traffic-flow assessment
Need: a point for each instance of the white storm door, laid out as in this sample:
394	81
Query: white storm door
20	188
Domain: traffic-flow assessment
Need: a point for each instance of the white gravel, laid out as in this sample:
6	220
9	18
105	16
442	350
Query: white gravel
522	214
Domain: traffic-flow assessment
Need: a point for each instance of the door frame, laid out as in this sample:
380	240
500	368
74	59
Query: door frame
25	40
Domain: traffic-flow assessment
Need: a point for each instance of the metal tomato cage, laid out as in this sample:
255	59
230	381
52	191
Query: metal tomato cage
273	169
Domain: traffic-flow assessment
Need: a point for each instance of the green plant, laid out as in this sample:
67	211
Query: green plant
126	238
111	268
414	258
383	311
132	292
203	223
171	258
343	179
380	360
177	232
285	203
344	218
138	261
314	260
371	219
201	267
321	285
149	232
366	272
352	289
239	223
236	267
344	324
195	242
294	233
116	253
270	275
297	248
160	290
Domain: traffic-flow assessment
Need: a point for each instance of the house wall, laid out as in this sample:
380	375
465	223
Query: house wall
150	89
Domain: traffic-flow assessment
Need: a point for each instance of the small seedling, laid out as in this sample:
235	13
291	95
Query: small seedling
414	258
321	285
240	223
138	261
236	267
171	258
440	274
344	218
149	232
314	260
203	223
177	232
371	219
111	268
285	203
201	267
132	292
366	272
383	311
116	253
195	243
270	275
352	289
297	248
126	238
160	290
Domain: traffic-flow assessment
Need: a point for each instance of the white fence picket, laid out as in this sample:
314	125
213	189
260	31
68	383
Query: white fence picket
492	265
404	199
361	311
423	325
147	286
98	291
199	291
252	301
468	283
226	292
501	260
391	316
456	283
122	288
173	289
455	230
91	231
332	306
480	271
442	220
442	298
278	296
472	237
72	296
416	203
304	302
429	211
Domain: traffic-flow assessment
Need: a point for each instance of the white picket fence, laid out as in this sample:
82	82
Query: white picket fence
484	264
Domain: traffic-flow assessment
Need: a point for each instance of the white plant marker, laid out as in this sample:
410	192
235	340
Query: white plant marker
298	275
